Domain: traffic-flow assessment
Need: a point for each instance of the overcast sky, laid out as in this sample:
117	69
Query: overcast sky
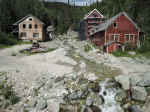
77	2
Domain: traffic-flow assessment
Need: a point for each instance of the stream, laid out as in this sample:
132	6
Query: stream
110	105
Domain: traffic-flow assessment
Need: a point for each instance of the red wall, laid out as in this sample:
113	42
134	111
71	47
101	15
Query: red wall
124	26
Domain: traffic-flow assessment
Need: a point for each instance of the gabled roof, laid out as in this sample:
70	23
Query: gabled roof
24	18
108	22
87	15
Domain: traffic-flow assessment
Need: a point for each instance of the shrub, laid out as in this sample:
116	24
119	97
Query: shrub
145	47
7	39
87	48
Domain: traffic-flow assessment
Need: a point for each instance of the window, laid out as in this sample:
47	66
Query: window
95	15
35	26
115	37
30	19
24	26
30	26
35	35
115	25
130	37
23	34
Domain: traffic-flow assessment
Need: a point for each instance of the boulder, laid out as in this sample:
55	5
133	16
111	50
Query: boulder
89	101
120	96
145	80
32	103
91	77
41	104
124	81
132	53
134	108
138	93
147	105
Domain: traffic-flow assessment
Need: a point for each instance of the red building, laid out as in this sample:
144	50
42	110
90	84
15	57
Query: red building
115	33
92	19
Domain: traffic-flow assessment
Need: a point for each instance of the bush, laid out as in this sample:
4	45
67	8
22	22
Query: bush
7	39
145	47
87	48
120	54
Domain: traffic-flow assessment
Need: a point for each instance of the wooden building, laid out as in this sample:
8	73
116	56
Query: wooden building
90	20
115	33
30	28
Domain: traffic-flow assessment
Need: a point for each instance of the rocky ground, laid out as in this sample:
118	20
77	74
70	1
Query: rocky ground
75	74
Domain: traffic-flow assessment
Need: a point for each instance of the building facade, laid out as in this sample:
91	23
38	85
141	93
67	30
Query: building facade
30	28
92	19
115	33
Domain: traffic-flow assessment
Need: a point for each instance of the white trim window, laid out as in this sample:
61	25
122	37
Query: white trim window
35	35
115	37
130	37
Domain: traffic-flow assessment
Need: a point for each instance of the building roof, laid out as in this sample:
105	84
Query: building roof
108	22
24	18
87	15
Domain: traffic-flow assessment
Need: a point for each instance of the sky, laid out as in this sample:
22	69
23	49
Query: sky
77	2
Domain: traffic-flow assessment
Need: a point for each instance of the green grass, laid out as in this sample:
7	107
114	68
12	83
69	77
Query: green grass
28	53
125	54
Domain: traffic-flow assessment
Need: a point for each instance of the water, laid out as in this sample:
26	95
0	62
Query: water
110	105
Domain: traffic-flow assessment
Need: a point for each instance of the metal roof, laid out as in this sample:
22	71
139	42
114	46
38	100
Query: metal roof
110	21
86	16
24	18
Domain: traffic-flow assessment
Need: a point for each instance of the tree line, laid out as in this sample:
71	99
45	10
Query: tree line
64	16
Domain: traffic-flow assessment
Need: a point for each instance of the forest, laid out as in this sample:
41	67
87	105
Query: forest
64	16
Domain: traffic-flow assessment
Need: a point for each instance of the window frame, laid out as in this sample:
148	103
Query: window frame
114	37
30	26
36	26
130	40
24	26
23	34
35	36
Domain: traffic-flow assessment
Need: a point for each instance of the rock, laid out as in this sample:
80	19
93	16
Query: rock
82	65
92	108
41	104
138	93
58	79
132	53
124	81
96	98
89	101
32	103
94	86
120	96
78	95
134	108
145	81
91	77
134	80
146	106
95	108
